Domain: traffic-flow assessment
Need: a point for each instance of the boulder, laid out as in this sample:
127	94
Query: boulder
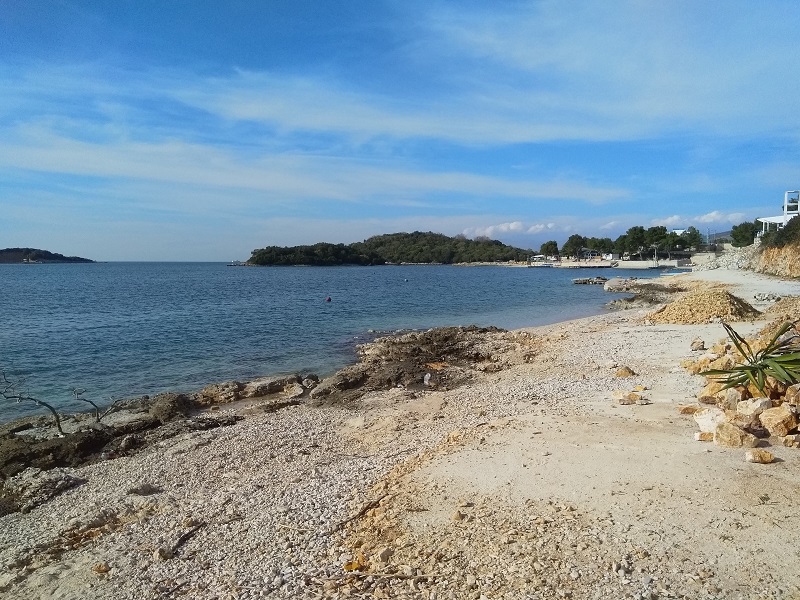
698	345
219	393
792	441
759	455
793	395
730	436
708	418
732	397
625	372
779	421
752	408
166	407
630	398
704	436
713	388
268	385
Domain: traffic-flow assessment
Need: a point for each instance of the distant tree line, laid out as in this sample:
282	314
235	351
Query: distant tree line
637	242
18	255
392	248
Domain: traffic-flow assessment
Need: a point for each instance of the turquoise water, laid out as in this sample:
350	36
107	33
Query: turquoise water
121	330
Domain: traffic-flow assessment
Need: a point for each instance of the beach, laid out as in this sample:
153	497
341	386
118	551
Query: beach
526	481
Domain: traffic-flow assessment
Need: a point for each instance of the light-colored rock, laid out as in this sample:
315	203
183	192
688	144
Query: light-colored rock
708	418
732	397
630	398
759	455
713	388
704	436
688	409
792	441
752	408
268	385
793	395
698	344
730	436
625	372
779	421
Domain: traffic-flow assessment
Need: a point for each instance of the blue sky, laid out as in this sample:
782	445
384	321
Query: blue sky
194	130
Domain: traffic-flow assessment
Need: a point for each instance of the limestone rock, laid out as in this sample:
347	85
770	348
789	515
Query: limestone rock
708	418
752	408
732	397
630	398
688	409
778	421
730	436
704	436
219	393
698	344
759	455
792	441
625	372
793	395
268	385
713	388
166	407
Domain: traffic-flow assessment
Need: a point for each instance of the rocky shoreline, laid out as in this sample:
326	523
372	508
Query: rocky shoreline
456	463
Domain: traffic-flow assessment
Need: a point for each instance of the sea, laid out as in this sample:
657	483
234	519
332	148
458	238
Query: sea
123	330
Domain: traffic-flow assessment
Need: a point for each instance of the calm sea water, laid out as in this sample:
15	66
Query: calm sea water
121	330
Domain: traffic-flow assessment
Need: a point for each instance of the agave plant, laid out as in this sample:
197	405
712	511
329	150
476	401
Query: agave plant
779	359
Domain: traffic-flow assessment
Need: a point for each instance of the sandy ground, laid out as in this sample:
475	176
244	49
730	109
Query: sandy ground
530	483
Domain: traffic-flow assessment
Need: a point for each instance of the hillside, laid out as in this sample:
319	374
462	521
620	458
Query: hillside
33	255
393	248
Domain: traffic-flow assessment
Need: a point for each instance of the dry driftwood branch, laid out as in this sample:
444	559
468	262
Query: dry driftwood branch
9	391
185	537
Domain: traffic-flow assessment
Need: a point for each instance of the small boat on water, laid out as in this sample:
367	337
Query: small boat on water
590	280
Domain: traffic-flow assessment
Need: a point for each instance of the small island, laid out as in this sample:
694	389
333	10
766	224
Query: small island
35	256
393	248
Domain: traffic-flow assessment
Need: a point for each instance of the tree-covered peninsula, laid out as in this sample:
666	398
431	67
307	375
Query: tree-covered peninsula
33	255
392	248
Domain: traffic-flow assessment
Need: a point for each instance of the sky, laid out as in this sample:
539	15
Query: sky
193	130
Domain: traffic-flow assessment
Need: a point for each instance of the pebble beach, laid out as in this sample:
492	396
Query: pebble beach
532	482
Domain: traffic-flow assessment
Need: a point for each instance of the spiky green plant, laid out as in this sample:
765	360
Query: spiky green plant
779	359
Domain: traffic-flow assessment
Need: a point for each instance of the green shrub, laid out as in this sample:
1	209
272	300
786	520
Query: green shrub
779	359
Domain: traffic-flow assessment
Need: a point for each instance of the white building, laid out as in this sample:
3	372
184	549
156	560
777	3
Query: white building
791	208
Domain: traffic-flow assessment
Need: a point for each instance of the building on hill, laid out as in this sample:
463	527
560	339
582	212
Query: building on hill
791	208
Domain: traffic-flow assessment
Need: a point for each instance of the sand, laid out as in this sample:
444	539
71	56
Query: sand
529	483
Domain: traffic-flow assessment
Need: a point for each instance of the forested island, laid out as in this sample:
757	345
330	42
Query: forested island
392	248
34	255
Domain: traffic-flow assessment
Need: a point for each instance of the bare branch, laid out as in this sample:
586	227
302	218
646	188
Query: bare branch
9	391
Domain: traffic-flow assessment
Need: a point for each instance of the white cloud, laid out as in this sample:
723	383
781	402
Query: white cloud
609	225
669	221
720	217
540	227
